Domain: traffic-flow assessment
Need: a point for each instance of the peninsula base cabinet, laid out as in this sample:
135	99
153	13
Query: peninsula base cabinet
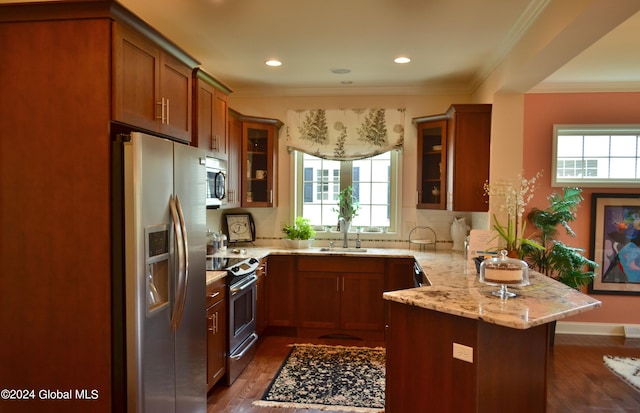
507	372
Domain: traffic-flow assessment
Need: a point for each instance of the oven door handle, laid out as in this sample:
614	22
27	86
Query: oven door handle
244	284
249	343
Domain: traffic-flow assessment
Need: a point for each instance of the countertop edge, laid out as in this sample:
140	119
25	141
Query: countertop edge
456	290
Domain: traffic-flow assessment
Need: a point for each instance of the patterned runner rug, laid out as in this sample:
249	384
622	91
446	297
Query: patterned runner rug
627	368
324	377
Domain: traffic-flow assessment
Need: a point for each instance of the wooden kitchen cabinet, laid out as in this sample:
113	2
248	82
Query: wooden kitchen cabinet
152	88
453	158
234	164
399	274
319	299
262	319
258	155
341	296
210	125
432	161
67	54
422	375
468	141
216	332
281	291
259	151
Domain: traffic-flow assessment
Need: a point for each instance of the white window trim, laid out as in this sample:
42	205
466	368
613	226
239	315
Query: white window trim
594	129
395	187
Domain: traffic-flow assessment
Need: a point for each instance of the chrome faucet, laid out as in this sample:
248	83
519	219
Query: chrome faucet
343	229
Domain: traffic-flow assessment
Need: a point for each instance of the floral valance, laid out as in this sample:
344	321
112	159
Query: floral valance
345	134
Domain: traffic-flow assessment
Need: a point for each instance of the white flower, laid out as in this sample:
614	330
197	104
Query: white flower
514	199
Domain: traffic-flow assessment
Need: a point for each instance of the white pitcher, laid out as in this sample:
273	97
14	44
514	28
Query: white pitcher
458	233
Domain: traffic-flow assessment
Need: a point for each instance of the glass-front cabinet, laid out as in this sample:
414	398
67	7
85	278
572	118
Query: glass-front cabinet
453	158
432	164
258	160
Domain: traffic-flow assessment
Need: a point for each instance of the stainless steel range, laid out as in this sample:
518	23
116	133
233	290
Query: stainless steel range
242	336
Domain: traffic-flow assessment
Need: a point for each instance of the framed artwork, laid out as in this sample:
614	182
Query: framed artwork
240	227
615	243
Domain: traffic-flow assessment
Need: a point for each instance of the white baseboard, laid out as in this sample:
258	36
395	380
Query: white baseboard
595	329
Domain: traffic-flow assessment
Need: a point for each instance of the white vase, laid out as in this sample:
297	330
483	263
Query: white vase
458	233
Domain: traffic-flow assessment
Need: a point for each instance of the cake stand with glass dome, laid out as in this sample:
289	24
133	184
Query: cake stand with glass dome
504	272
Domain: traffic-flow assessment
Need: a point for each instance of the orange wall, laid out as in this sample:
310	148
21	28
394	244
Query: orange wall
541	112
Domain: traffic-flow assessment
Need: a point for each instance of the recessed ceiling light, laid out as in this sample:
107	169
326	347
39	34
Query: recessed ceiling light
273	63
402	59
346	82
340	71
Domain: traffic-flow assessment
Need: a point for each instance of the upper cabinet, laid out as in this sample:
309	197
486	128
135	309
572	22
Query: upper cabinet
453	158
234	166
258	153
432	156
468	153
152	88
211	126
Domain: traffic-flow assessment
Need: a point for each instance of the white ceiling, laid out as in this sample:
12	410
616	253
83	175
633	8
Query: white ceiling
454	44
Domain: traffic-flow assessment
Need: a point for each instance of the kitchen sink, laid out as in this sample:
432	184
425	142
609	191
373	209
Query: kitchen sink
338	249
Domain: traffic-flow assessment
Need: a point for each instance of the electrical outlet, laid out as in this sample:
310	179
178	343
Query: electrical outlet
464	353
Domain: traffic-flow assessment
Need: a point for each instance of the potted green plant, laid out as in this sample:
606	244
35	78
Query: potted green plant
558	260
347	205
300	234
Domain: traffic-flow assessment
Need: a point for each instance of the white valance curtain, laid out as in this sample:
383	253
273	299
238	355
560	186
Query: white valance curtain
345	134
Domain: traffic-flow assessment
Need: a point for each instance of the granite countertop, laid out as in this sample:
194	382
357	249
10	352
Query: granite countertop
215	276
455	288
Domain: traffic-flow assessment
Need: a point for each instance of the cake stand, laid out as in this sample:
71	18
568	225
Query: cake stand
503	271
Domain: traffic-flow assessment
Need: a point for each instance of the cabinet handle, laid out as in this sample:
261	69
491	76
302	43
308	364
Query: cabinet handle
212	328
271	196
167	120
214	143
215	328
217	293
161	117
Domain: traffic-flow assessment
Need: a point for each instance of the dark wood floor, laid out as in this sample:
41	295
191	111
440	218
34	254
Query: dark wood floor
578	381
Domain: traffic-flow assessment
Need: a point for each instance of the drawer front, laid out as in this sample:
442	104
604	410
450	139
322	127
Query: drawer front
341	264
216	291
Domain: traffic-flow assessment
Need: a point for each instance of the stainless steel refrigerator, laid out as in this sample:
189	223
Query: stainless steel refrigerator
159	317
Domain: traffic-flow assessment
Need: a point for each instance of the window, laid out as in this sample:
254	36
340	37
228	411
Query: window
596	155
374	182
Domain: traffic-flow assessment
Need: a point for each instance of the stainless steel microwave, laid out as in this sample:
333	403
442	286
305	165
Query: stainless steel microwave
216	182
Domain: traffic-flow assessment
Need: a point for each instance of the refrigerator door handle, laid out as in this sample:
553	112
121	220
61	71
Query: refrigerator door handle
180	253
185	272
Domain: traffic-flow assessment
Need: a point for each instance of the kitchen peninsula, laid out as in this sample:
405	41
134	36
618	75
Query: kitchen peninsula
454	347
502	346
